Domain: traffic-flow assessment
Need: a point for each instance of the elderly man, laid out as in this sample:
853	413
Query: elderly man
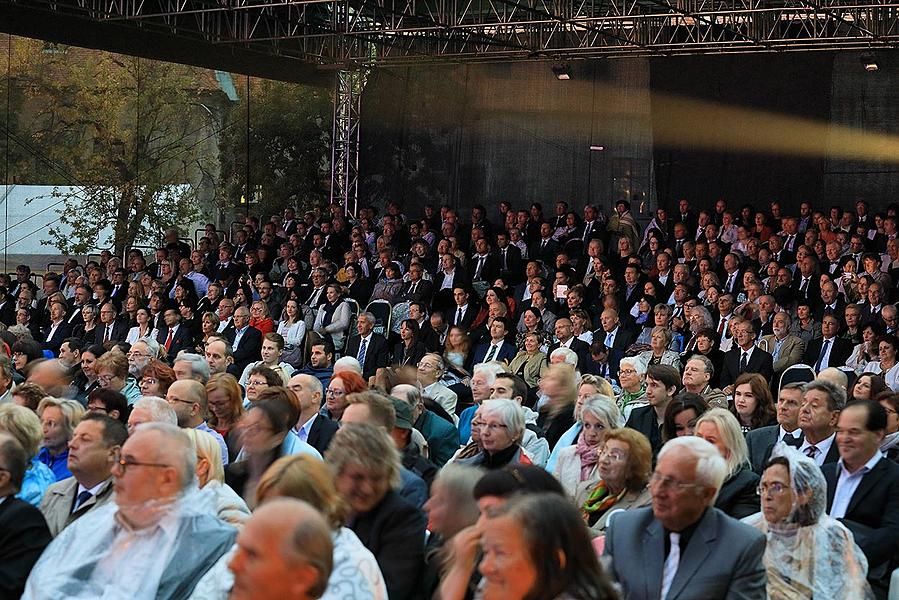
151	409
369	348
92	450
819	412
283	551
246	342
863	488
191	366
23	531
367	466
786	349
153	528
140	354
698	372
440	433
431	368
761	441
187	398
311	427
482	380
671	543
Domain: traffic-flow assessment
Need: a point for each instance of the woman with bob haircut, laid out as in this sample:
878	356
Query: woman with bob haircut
737	496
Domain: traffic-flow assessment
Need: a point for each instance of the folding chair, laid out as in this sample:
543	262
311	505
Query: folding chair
382	310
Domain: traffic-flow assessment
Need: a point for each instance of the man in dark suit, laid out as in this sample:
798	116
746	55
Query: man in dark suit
497	348
546	247
376	354
828	350
822	402
311	427
417	289
175	336
246	342
565	336
761	441
662	382
462	314
745	357
806	284
732	278
58	330
509	257
674	540
484	264
830	303
110	327
23	530
863	488
615	337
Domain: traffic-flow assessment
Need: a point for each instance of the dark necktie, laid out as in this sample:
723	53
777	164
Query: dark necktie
505	265
81	499
414	287
744	361
824	348
459	316
789	440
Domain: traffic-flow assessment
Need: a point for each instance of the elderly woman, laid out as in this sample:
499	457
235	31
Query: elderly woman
625	465
530	363
753	405
58	420
501	432
22	424
230	507
342	384
660	354
808	554
260	318
577	465
558	385
737	496
632	379
333	317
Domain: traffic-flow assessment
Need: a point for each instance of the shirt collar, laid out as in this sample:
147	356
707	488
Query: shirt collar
866	467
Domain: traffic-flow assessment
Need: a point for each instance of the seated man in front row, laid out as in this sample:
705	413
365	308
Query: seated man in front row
155	541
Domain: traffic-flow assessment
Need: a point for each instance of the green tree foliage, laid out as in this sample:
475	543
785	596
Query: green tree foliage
132	134
289	146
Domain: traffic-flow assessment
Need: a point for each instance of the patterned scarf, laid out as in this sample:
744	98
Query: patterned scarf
589	455
599	501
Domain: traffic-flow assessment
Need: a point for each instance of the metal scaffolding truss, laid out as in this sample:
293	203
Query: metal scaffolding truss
352	33
345	139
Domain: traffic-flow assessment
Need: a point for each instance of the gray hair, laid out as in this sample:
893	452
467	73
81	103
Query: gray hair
21	332
160	410
151	344
408	392
71	411
568	355
703	315
603	408
490	370
348	363
178	444
711	469
370	317
509	412
458	483
198	365
637	363
706	363
836	396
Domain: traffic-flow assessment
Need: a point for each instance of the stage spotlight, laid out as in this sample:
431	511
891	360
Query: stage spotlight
869	63
562	71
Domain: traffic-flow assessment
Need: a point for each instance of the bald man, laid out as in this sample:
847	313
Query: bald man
283	551
315	430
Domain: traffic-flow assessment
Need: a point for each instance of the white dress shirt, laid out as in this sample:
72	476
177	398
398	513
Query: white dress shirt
823	448
847	483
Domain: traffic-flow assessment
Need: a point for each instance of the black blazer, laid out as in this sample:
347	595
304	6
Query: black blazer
411	360
62	332
761	442
840	351
181	340
873	512
467	319
580	348
248	350
547	254
377	354
644	420
119	332
738	497
514	270
23	537
424	291
321	433
760	362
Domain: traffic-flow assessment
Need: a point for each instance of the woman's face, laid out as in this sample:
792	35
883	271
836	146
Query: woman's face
577	323
495	434
87	364
862	388
613	463
593	429
531	344
628	378
258	432
530	320
745	401
657	341
776	493
508	570
456	336
209	326
220	406
149	386
802	312
335	397
887	352
867	334
585	391
685	422
142	316
22	317
712	295
19	360
709	432
292	309
892	417
179	293
491	297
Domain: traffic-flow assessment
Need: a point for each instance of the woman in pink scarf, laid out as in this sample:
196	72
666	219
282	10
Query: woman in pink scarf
576	468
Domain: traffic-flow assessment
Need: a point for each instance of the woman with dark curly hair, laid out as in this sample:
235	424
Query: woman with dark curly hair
753	405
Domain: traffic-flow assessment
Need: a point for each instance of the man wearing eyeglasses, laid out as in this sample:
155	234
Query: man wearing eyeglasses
686	548
155	528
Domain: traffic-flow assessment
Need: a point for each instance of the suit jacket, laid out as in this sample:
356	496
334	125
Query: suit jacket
393	531
644	420
490	270
377	354
424	291
321	433
791	351
839	310
416	353
760	362
62	332
513	271
60	498
723	559
506	352
840	351
248	350
119	332
181	340
873	511
581	348
622	341
737	497
760	443
23	537
546	254
467	319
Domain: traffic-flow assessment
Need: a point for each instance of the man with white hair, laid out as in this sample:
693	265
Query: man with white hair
153	528
431	368
188	399
151	409
441	435
673	540
347	363
482	379
140	354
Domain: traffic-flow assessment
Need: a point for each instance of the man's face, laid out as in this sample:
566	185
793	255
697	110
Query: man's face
788	408
107	314
270	352
480	389
216	357
318	358
563	330
857	445
241	317
137	487
502	388
695	376
497	330
88	455
815	414
656	392
460	297
81	296
179	399
301	386
67	356
677	500
363	326
744	334
361	488
829	327
172	317
138	357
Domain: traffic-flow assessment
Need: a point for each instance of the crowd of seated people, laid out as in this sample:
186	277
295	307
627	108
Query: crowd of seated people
523	405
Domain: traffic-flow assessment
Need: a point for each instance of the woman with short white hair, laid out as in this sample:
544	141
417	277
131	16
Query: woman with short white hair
501	431
576	467
632	379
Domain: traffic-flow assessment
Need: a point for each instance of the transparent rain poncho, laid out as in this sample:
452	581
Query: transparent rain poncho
809	554
100	557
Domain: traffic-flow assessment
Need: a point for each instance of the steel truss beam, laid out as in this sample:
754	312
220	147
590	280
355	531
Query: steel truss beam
353	33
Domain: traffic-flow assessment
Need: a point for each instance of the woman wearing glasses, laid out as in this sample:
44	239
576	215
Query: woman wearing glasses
624	466
501	431
808	554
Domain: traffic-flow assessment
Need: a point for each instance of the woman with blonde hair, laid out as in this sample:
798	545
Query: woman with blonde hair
737	497
225	403
22	424
557	414
210	471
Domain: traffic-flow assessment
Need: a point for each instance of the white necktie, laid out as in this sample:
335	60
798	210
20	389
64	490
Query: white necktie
671	564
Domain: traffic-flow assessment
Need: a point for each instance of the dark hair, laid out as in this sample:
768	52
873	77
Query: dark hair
30	348
519	387
877	416
74	343
680	403
271	378
559	546
764	404
413	326
96	349
878	385
280	412
513	479
667	375
114	431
